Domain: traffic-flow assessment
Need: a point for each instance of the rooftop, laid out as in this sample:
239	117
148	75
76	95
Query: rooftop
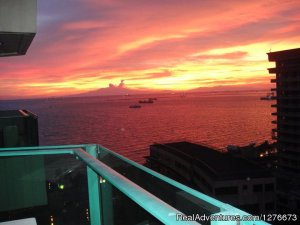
224	166
14	113
284	55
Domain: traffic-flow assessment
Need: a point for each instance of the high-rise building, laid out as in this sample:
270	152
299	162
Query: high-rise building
223	176
18	128
287	133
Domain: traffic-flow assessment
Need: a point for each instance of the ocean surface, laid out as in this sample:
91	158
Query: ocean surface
215	119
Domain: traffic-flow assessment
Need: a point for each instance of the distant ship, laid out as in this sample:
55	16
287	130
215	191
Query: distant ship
269	96
146	101
136	106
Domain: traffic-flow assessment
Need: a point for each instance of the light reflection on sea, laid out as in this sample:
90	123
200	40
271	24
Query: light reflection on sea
217	119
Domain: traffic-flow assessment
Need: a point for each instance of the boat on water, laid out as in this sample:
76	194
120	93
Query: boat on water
146	101
269	96
135	106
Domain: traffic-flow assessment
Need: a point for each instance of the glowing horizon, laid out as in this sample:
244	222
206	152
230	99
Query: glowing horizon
84	45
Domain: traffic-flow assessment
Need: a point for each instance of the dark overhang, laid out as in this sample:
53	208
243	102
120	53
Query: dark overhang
284	55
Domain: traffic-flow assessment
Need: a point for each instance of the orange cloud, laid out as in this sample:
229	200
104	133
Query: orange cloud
171	44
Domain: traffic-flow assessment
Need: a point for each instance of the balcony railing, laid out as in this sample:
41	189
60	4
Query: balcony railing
284	69
89	184
273	80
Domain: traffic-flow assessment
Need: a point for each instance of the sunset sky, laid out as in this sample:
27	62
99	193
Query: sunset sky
84	45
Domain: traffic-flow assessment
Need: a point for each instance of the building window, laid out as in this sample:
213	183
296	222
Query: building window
227	190
269	187
257	188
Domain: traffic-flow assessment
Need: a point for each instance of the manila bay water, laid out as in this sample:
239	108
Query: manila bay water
216	119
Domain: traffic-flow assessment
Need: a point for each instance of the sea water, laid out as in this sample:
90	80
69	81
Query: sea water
216	119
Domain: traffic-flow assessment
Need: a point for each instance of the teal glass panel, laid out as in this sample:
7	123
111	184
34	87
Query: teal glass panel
118	209
171	194
22	182
77	193
188	201
51	188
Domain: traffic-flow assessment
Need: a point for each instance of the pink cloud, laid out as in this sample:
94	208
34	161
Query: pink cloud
83	25
104	39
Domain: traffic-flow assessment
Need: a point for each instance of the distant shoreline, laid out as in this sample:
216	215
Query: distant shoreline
143	94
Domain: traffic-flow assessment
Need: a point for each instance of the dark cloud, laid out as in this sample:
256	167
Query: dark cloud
120	85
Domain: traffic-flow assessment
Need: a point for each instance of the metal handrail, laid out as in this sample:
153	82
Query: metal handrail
197	194
152	204
156	207
159	209
223	206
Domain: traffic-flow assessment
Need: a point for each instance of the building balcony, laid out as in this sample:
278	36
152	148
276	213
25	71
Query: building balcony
288	163
286	105
288	114
284	69
288	131
292	97
287	122
287	80
287	88
287	140
288	148
272	70
89	184
290	157
273	80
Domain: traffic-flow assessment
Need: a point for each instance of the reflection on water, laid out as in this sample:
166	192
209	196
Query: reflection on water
217	119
